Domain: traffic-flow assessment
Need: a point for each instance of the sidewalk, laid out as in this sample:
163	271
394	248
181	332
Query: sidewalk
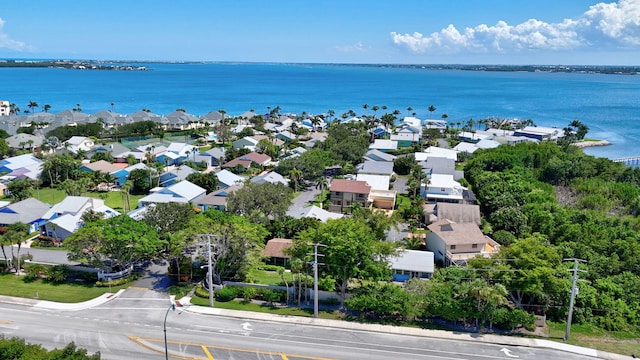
399	330
185	304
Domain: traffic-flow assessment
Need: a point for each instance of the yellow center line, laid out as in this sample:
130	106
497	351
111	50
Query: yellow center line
284	357
206	351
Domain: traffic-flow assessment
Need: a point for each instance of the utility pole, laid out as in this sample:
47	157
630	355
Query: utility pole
315	278
574	291
210	270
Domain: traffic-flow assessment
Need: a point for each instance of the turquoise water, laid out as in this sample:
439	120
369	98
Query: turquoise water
608	104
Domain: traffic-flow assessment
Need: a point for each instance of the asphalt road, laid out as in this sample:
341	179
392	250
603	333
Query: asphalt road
131	326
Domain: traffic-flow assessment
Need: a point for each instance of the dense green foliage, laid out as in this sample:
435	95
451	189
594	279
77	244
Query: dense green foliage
64	133
574	206
17	349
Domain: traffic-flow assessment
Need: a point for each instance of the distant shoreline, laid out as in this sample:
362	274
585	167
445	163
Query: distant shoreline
126	65
584	144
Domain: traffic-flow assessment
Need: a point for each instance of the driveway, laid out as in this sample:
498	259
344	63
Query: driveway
304	199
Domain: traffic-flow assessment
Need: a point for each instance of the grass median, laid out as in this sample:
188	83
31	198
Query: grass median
12	285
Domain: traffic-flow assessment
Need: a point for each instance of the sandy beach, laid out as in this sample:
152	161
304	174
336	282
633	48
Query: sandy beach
584	144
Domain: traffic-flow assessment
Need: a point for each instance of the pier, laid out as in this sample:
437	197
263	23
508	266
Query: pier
633	161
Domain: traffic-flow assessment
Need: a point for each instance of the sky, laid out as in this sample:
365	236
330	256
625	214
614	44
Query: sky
542	32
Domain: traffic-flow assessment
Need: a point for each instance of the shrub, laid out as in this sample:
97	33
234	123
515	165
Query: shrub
268	267
249	293
273	295
327	283
57	274
225	294
331	301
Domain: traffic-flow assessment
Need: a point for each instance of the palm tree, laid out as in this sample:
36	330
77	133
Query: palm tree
295	175
375	108
365	107
431	110
331	113
322	184
296	266
46	107
409	109
286	284
32	105
126	199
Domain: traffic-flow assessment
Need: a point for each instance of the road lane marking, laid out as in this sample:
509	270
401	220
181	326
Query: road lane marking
140	341
6	321
206	352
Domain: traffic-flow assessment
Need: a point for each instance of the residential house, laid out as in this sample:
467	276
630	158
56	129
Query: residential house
184	151
270	177
178	120
245	142
24	166
226	179
458	213
213	117
175	174
384	145
435	124
217	155
442	188
79	143
436	151
101	166
540	133
380	196
377	155
122	175
286	136
314	212
29	211
116	150
412	264
65	217
345	193
274	251
217	200
24	141
248	159
376	168
487	144
454	243
169	158
471	136
465	147
437	164
407	136
182	192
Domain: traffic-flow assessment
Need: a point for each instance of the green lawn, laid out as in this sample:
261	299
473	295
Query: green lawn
588	336
268	277
12	285
266	308
112	199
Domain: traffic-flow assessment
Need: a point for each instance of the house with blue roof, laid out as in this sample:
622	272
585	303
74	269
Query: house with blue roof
29	211
65	217
122	175
22	166
174	175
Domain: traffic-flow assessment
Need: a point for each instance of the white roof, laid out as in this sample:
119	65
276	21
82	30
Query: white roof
377	182
442	181
472	135
314	212
384	144
413	121
185	189
413	260
466	147
228	178
434	150
487	144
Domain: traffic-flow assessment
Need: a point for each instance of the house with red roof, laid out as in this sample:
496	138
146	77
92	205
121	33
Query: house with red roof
247	159
345	193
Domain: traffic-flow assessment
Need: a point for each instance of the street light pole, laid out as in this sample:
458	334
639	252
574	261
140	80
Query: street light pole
166	350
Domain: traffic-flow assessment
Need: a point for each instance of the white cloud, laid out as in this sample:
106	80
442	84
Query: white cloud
7	43
607	25
357	47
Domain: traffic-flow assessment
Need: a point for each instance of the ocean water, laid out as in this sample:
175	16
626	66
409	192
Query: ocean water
608	104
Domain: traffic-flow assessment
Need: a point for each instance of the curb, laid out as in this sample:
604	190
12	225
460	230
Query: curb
399	330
